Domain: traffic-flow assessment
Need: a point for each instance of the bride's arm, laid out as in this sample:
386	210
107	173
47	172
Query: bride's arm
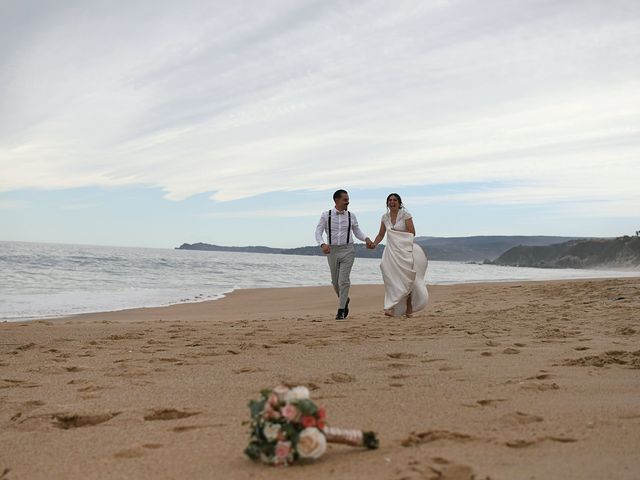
380	235
410	227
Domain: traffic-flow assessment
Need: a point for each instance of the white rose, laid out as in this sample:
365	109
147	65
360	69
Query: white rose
311	443
271	430
281	390
296	394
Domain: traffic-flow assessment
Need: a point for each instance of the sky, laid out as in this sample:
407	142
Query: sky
153	123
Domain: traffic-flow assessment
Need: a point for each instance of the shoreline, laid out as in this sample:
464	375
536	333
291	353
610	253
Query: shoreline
496	380
226	294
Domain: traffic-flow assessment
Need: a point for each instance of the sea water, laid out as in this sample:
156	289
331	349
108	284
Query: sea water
39	280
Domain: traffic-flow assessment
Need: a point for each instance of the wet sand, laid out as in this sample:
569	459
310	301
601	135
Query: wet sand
535	380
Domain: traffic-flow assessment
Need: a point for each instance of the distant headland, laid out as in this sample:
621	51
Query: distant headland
621	252
459	249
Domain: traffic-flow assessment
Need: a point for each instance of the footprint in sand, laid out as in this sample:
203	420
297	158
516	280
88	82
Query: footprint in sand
188	428
67	421
401	355
168	414
91	388
438	469
510	351
539	386
626	330
137	452
490	401
247	370
419	438
612	357
399	365
340	377
522	443
26	407
73	369
454	471
166	359
448	368
541	376
126	336
520	418
15	383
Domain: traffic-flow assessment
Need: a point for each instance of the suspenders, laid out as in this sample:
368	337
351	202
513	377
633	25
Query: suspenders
348	227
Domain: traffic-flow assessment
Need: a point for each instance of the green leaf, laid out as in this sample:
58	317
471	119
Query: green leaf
265	392
307	407
253	451
256	407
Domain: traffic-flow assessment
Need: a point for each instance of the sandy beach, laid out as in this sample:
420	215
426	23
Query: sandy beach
535	380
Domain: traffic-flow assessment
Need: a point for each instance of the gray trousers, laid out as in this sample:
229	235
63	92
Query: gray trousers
341	260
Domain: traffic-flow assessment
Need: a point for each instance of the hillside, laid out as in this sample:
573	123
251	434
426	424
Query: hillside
460	249
480	248
621	252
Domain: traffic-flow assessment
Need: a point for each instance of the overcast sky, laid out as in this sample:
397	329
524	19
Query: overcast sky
152	123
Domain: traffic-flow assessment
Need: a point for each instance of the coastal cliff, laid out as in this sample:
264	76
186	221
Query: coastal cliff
621	252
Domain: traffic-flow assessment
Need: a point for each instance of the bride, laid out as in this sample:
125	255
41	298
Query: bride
404	263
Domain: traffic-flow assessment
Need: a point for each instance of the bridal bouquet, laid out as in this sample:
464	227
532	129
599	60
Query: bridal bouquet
287	426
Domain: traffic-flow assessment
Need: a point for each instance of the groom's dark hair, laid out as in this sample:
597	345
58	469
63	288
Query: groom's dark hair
338	193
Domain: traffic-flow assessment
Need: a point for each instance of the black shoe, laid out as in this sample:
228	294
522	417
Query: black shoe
340	315
346	308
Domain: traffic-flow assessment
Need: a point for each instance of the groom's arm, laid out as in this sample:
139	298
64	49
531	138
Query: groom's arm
320	229
359	234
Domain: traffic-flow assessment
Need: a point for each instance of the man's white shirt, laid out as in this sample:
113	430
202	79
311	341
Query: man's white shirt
339	227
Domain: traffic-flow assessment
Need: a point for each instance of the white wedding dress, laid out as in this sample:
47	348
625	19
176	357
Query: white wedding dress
403	266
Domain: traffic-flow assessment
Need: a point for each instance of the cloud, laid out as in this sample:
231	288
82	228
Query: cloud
80	206
262	213
236	100
9	204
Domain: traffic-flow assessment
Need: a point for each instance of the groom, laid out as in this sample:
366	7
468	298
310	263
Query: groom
338	223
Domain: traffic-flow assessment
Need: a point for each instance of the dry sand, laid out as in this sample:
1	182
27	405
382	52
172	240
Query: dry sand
501	381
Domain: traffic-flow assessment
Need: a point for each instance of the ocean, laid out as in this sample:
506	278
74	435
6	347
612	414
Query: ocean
39	280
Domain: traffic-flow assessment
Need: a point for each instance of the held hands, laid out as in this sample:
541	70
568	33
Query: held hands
370	244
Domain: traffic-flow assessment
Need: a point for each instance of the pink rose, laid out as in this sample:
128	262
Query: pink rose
283	451
273	400
269	413
290	412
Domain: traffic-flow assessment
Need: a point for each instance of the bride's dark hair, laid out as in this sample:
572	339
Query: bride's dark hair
394	195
